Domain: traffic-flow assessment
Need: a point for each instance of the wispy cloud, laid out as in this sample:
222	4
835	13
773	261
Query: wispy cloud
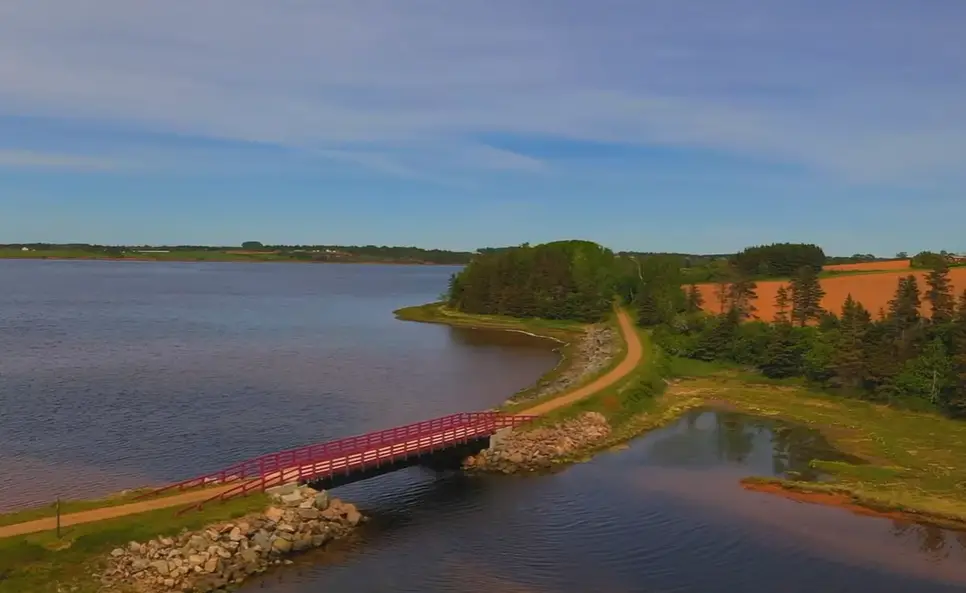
864	90
29	159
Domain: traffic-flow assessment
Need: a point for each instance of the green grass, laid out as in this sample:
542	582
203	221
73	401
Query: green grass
563	330
40	562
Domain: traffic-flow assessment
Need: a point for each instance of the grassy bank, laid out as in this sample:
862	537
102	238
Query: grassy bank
42	562
913	460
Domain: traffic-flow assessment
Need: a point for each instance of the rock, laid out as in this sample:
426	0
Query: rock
302	543
249	556
282	490
227	553
274	514
197	543
309	514
262	540
353	516
282	546
295	498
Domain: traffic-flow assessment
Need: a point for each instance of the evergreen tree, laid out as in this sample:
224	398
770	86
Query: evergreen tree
940	294
695	299
781	306
905	329
807	294
741	296
648	314
849	360
781	358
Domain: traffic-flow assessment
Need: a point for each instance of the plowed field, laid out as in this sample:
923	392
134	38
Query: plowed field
872	290
898	264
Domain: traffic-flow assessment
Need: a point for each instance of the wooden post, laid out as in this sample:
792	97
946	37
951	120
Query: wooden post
58	517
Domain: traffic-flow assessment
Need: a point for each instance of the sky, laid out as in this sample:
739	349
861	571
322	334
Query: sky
655	125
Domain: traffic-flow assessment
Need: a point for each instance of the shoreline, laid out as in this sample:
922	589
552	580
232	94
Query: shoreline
845	498
187	260
564	439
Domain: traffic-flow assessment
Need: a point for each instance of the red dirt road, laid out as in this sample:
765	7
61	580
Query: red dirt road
872	290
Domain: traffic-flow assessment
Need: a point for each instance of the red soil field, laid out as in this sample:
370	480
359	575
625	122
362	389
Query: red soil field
898	264
872	290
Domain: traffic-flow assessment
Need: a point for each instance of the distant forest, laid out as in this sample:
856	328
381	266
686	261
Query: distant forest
897	355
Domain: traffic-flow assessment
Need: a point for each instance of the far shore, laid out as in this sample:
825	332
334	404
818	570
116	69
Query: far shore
226	260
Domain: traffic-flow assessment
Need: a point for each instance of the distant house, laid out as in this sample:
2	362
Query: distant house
24	249
956	259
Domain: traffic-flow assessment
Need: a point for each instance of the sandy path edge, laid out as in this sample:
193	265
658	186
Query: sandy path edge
631	359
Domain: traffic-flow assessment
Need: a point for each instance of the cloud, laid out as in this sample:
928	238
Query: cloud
29	159
866	91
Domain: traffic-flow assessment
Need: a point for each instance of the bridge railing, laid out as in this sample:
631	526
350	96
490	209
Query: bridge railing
262	469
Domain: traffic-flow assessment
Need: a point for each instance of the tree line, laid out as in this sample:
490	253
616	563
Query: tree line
560	280
896	355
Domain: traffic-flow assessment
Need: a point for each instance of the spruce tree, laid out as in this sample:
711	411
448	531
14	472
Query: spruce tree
807	294
695	299
849	359
904	307
940	294
741	297
781	306
648	312
781	358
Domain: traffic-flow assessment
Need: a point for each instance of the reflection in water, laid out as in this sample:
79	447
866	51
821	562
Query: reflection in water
666	515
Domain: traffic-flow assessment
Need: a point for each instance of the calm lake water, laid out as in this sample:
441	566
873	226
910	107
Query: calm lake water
117	374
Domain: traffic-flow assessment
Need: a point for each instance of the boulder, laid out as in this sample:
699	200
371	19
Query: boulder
282	546
274	514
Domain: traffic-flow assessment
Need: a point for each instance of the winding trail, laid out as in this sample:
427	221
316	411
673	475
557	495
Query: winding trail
631	359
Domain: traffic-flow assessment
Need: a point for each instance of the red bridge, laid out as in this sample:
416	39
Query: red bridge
439	443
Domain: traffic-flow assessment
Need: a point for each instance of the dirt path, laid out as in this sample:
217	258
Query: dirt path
631	360
50	523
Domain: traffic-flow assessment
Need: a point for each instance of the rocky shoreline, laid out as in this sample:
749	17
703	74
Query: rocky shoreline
513	451
592	353
226	554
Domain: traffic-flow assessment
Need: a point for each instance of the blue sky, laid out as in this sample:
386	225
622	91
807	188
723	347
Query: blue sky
700	126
